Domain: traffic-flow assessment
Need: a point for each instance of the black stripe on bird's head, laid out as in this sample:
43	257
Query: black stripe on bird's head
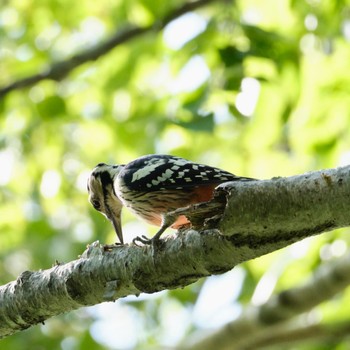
102	195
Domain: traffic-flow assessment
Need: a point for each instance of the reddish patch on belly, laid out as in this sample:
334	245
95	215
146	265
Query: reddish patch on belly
199	195
180	221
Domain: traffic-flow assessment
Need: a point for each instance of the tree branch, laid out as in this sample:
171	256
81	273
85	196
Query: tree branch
279	337
257	324
57	71
273	212
260	217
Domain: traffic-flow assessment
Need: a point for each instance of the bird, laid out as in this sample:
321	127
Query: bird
152	186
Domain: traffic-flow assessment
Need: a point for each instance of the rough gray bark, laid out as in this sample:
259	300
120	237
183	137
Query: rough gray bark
260	217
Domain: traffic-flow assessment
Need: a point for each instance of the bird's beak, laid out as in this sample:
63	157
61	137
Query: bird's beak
116	221
113	212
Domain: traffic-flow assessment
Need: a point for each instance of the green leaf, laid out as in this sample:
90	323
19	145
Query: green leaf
199	123
52	106
231	56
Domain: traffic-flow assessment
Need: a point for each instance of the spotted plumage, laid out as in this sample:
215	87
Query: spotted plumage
152	186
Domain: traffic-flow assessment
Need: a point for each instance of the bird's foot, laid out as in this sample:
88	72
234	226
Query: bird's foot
142	239
154	241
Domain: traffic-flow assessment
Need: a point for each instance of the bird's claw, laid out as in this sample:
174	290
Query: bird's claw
143	239
154	242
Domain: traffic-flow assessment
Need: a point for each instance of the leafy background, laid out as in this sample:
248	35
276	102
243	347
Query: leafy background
257	88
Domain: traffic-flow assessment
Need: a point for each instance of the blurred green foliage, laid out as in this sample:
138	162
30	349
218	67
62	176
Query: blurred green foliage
258	88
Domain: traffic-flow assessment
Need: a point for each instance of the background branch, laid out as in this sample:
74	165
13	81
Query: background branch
277	337
61	69
258	325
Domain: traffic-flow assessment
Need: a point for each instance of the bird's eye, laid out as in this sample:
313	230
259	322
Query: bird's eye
96	204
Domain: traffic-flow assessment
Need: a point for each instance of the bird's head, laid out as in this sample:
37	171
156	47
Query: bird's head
102	195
